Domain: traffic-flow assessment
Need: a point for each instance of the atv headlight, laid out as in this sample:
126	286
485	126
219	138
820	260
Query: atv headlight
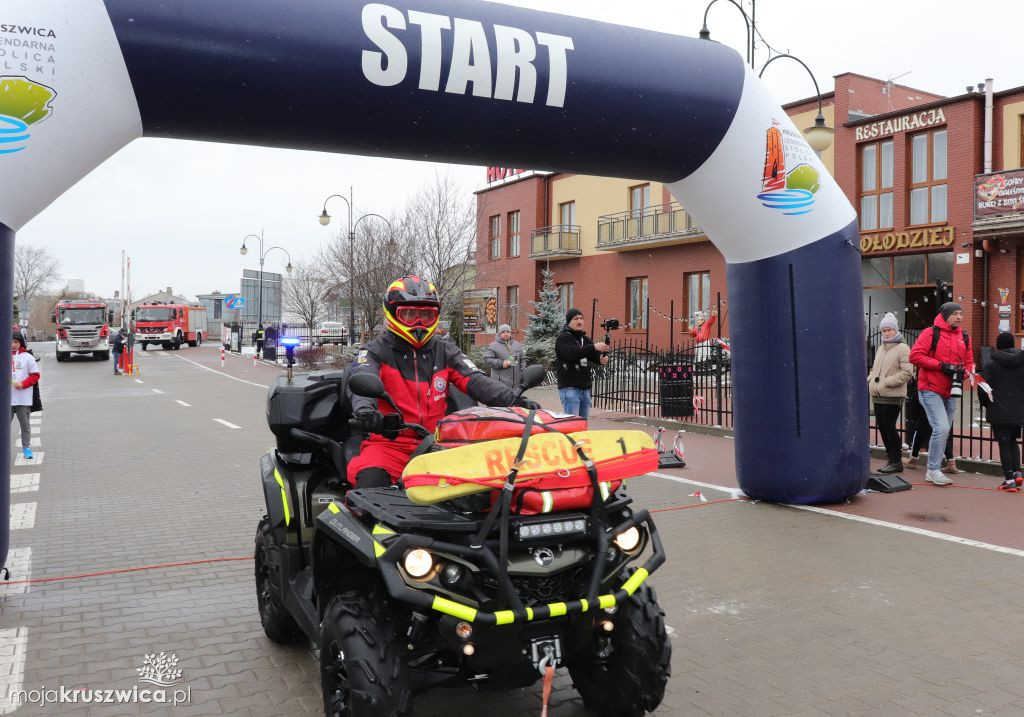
628	540
418	563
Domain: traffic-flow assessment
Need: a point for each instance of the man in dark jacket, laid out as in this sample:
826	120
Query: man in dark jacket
1004	372
936	367
416	369
575	356
117	350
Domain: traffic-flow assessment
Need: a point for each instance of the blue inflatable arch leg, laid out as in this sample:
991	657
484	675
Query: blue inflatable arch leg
484	83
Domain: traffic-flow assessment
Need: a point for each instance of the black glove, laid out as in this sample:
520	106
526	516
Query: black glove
951	368
369	420
524	402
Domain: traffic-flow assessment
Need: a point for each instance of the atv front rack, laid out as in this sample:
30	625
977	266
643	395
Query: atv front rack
388	560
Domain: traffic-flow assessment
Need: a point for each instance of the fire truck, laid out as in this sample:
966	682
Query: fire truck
170	325
83	327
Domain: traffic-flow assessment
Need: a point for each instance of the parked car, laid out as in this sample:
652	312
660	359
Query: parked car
331	332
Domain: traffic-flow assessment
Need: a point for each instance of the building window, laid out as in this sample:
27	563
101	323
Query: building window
698	292
637	302
906	270
513	234
566	296
928	177
512	306
567	214
495	237
876	176
218	307
639	199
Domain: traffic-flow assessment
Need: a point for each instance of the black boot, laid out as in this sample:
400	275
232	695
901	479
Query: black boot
892	467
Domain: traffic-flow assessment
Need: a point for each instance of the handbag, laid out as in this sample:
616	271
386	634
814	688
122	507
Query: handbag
37	401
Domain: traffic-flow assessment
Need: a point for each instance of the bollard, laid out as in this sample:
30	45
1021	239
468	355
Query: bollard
222	357
254	360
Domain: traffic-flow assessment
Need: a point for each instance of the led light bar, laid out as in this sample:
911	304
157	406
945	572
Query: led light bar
551	528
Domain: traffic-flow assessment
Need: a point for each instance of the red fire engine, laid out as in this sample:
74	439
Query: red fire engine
170	325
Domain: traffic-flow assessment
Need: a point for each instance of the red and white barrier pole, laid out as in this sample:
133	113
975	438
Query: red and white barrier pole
222	357
254	359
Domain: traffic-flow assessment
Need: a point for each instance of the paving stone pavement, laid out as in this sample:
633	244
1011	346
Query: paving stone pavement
773	610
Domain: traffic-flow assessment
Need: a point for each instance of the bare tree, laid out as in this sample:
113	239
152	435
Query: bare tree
306	294
35	270
441	220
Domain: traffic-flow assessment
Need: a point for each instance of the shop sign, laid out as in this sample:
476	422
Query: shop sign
925	238
906	123
1000	193
480	311
495	174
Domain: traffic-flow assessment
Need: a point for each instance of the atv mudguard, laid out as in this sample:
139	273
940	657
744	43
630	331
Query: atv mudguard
282	505
338	525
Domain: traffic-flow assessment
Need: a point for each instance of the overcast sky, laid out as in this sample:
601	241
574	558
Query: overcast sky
180	209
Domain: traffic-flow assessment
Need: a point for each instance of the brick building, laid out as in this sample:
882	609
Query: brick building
908	160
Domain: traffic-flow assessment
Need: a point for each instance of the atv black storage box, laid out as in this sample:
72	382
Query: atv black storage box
313	402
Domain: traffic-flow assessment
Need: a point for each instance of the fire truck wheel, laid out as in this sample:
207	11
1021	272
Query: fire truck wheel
144	345
166	345
191	344
61	356
199	339
176	344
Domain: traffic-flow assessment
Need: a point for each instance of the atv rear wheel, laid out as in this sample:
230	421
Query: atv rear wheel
277	623
626	676
362	668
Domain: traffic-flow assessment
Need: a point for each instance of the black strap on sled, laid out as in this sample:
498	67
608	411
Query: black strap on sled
502	509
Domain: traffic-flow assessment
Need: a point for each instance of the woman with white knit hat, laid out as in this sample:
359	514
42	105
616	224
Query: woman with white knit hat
887	384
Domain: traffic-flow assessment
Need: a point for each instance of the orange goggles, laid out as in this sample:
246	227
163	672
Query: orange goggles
424	316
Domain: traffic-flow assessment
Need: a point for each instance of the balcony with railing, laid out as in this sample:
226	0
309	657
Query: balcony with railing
560	241
648	227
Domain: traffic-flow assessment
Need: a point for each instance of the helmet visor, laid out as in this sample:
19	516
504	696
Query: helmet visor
424	316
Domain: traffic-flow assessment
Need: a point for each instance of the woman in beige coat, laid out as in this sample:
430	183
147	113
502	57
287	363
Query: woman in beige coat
887	384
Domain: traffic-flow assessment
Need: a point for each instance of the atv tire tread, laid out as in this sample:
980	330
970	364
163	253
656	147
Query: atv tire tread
364	629
278	625
633	682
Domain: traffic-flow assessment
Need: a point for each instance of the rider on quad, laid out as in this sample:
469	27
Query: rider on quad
416	370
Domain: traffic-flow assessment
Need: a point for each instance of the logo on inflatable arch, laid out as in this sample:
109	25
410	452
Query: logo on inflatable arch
789	182
22	103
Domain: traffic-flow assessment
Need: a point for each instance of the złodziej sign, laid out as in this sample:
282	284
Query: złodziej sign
1000	193
924	238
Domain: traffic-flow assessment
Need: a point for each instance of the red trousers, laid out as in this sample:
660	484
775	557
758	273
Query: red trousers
378	452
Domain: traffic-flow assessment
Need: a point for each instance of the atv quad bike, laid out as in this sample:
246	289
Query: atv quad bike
498	560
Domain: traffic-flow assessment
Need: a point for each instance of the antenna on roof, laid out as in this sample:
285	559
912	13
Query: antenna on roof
889	84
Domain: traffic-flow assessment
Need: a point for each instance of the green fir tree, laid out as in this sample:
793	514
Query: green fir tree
543	326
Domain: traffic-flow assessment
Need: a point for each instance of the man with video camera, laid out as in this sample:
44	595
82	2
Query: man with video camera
944	360
576	354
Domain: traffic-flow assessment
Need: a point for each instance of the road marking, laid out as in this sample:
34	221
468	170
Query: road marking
21	460
24	483
34	441
157	390
13	646
36	428
139	380
186	405
23	516
19	561
226	423
233	378
858	518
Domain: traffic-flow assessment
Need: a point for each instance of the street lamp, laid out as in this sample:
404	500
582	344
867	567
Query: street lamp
705	34
243	250
819	137
325	219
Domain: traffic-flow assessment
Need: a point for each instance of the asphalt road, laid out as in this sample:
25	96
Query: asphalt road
772	610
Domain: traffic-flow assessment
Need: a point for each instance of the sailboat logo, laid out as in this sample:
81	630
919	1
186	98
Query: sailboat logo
790	191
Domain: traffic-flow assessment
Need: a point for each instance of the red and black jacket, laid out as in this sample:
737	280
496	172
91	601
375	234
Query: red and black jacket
417	379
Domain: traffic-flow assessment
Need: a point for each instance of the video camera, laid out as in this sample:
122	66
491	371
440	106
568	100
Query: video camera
610	324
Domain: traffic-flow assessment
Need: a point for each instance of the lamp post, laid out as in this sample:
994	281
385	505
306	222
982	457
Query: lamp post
243	250
819	137
325	220
705	34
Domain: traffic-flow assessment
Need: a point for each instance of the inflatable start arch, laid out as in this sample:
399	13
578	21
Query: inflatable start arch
480	83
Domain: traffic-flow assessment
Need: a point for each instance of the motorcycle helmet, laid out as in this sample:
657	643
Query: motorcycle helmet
412	310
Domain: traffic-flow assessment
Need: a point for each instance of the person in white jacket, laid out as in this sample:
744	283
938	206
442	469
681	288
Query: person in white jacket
24	375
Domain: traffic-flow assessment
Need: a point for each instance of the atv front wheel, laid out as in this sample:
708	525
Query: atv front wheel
277	623
626	675
362	669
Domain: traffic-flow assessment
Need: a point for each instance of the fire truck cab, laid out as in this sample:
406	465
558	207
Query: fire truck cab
83	327
170	325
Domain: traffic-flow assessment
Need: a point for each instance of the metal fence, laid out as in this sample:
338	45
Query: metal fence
630	382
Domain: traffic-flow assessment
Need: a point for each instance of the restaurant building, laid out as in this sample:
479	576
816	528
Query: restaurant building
938	183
